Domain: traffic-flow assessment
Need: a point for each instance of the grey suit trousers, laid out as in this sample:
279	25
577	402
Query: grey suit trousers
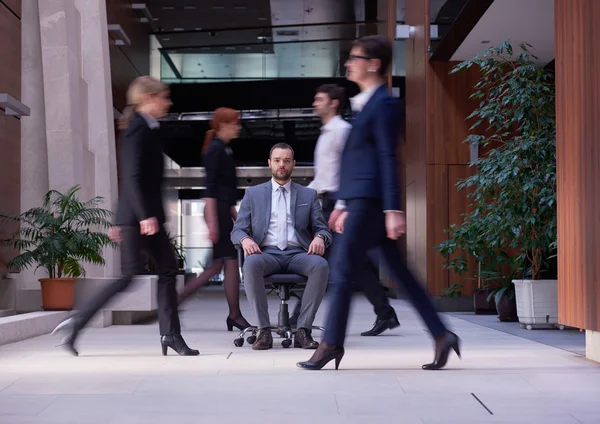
293	260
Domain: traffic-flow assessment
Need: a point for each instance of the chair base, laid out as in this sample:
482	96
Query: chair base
284	332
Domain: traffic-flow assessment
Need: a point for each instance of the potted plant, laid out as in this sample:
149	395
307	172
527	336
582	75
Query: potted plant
179	251
513	190
502	292
58	237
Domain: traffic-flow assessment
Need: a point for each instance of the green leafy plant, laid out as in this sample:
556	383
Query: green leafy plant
513	189
178	247
57	235
454	291
500	284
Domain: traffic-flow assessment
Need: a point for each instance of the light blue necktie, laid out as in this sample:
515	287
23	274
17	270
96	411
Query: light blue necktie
282	220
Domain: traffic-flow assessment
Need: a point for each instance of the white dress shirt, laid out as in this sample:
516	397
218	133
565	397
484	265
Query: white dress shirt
271	237
328	155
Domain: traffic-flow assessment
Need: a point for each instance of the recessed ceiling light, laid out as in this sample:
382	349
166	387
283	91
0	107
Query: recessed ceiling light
168	8
262	19
198	29
240	8
218	7
189	7
177	29
165	38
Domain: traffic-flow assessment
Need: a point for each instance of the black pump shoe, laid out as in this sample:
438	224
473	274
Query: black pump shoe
69	326
177	343
231	323
451	341
336	353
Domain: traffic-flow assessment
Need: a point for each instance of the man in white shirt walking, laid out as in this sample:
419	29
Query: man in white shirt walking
329	102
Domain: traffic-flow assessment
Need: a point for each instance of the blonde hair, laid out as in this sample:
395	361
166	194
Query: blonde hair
137	89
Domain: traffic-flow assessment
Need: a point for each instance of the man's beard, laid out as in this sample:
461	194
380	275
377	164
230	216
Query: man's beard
284	176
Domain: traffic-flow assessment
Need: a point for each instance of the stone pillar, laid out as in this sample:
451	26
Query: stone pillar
34	155
78	100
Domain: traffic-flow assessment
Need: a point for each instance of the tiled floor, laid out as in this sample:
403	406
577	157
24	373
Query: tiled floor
121	377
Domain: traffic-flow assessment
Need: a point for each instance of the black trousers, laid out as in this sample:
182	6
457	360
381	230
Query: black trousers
367	279
364	230
161	252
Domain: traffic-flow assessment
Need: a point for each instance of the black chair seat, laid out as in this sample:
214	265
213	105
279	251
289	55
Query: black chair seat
285	279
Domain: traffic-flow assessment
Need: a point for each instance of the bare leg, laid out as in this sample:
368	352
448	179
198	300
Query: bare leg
203	279
232	291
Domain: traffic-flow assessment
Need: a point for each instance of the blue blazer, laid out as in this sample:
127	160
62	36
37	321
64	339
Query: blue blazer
369	169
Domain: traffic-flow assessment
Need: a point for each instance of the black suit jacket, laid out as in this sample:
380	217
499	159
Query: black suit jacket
221	180
142	166
369	168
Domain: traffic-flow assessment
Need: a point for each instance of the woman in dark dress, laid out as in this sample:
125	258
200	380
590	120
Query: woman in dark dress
220	212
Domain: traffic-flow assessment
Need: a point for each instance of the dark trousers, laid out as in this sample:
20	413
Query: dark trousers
367	279
161	252
364	230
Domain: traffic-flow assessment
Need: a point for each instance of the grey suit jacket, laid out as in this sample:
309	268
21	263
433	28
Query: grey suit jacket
255	213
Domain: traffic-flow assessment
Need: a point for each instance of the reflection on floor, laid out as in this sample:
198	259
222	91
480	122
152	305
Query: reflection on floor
121	377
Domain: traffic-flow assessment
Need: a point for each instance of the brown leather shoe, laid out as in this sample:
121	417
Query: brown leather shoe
304	340
264	340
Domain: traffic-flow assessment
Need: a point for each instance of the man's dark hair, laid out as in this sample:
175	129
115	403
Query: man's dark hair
377	47
335	92
281	146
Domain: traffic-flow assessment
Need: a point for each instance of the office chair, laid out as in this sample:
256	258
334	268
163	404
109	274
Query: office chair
283	284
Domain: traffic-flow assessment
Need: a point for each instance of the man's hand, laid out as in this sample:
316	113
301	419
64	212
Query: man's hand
317	247
149	227
115	234
250	247
395	224
339	224
335	214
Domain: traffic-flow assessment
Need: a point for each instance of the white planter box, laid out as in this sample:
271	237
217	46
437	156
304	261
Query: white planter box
537	303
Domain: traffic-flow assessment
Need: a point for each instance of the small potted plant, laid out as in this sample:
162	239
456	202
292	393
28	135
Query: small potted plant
502	292
58	237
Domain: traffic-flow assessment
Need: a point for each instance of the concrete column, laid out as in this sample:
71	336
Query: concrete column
101	166
34	155
78	100
65	94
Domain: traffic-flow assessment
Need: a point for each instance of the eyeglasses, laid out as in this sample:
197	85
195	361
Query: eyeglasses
354	57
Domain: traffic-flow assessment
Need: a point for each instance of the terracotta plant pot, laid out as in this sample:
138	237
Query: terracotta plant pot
507	309
58	294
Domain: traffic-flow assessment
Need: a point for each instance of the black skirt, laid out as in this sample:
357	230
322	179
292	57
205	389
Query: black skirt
224	249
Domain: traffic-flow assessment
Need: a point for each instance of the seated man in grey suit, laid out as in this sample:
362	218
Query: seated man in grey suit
281	228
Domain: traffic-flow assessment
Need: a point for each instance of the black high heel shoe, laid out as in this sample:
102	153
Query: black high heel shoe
336	353
231	323
450	342
69	326
177	343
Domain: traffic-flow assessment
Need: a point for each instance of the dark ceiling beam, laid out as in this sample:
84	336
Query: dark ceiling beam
269	27
184	48
470	14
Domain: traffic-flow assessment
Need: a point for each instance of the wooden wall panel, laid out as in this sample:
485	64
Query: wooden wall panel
448	99
10	53
577	43
13	5
437	222
415	167
10	127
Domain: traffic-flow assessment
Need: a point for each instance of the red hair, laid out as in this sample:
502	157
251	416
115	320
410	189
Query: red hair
222	115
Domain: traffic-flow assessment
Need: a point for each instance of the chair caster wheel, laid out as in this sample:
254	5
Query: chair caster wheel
561	327
286	343
529	327
239	342
251	339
